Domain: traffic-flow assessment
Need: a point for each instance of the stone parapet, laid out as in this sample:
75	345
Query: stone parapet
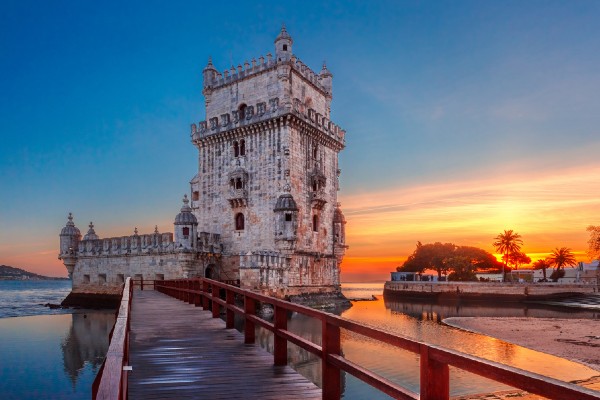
486	291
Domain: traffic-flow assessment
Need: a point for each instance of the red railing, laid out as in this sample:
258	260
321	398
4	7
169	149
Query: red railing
111	381
434	373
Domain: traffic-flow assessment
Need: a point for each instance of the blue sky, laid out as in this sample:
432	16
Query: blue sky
97	99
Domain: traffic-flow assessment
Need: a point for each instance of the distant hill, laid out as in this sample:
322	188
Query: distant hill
12	273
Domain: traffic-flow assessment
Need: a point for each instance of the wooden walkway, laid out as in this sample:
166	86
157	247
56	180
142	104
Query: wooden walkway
179	351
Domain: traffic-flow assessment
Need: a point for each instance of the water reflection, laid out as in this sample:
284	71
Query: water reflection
86	342
52	356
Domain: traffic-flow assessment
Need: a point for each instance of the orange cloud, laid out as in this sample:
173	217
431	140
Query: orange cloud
549	210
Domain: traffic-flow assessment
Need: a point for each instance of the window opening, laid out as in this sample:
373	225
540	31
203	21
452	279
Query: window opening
236	149
315	223
288	217
242	112
186	232
195	195
239	222
238	183
285	47
242	147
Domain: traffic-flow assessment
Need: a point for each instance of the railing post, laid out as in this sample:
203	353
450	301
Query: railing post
204	295
435	377
249	309
215	305
197	296
280	350
190	296
229	297
331	375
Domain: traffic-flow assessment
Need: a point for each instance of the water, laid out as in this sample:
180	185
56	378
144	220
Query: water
48	353
22	298
58	356
422	321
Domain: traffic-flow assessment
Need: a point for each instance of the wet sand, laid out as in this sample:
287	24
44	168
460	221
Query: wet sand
574	339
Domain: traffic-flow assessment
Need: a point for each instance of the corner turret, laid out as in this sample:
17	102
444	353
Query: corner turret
69	242
326	78
186	227
209	75
283	45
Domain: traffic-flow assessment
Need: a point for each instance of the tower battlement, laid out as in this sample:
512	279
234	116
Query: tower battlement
262	112
216	80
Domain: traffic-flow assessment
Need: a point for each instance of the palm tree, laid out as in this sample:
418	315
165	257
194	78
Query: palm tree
543	265
507	243
562	258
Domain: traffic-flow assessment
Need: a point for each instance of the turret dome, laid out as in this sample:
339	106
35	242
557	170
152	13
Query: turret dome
91	234
70	229
338	216
284	35
185	217
286	202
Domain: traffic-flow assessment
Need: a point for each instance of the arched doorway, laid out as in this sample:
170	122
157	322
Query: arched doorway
209	272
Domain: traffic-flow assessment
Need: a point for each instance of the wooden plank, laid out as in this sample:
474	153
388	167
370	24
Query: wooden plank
179	351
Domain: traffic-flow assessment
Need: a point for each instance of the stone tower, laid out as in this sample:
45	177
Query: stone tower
268	174
70	236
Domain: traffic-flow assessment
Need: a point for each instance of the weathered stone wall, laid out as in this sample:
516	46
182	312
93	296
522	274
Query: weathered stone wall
146	266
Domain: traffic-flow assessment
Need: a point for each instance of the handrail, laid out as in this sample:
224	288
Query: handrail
434	372
111	381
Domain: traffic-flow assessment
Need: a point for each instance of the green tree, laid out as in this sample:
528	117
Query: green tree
445	257
462	268
517	259
594	243
543	265
561	258
507	243
429	256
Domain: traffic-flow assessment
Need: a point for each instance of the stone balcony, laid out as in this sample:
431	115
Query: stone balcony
317	199
237	197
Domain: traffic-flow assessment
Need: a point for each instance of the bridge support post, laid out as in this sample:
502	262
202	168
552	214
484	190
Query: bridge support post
215	305
204	295
331	375
229	298
249	309
197	296
280	350
435	377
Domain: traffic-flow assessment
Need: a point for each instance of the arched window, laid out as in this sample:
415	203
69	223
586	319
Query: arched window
239	184
242	147
239	222
315	223
242	111
236	149
315	152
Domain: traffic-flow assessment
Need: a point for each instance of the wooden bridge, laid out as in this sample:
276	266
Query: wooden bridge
161	348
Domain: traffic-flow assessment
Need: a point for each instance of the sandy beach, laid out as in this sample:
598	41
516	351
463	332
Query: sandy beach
574	339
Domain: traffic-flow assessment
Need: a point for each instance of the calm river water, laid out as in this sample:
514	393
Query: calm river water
57	356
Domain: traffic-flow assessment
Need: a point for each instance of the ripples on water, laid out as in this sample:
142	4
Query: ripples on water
21	298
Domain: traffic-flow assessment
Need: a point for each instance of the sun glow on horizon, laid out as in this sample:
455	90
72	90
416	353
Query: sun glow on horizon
550	209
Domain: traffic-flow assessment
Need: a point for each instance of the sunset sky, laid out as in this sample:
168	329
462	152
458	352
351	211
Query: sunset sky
463	118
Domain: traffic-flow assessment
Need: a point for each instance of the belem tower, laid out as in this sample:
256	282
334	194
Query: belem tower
262	211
